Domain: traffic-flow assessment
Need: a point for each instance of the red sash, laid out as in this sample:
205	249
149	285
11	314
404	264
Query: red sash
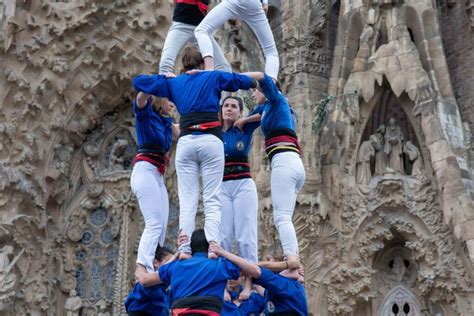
187	311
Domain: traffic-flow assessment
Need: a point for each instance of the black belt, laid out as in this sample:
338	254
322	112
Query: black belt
210	303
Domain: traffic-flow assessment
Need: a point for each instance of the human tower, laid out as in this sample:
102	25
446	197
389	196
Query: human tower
213	139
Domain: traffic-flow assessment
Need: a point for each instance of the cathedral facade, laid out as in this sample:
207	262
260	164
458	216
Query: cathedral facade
384	94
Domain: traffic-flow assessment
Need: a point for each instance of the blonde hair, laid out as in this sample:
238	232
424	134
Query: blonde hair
158	103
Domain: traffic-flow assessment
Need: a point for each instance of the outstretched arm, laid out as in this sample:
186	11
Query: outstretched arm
152	84
278	266
146	279
248	268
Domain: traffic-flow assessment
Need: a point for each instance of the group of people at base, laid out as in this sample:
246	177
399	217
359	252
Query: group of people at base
213	144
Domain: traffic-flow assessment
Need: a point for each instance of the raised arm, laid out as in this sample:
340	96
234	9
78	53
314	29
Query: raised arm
142	99
152	84
248	268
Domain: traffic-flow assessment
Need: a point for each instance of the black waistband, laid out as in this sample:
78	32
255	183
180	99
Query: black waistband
244	159
209	303
150	149
197	118
284	314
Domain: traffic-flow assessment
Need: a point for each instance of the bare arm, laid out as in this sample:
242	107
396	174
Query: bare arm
278	266
249	119
142	99
257	75
175	131
146	279
248	268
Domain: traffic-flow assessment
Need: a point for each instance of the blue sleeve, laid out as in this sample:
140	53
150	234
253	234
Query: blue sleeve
273	282
270	90
152	84
143	111
230	270
249	128
228	81
164	272
257	110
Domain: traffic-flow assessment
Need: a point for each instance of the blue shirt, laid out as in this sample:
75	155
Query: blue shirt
276	112
198	276
152	128
237	143
282	294
253	306
153	300
200	92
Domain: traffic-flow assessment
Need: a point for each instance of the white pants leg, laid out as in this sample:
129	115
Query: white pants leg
148	186
239	217
178	35
287	179
251	12
199	155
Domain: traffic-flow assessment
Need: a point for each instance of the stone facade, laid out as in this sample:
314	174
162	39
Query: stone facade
383	219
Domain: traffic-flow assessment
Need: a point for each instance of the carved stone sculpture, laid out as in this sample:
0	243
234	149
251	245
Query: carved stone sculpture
7	276
366	152
73	304
414	156
378	144
117	153
394	146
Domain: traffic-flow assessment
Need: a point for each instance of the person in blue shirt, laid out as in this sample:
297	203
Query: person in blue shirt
197	283
200	151
283	151
238	192
154	129
153	300
284	291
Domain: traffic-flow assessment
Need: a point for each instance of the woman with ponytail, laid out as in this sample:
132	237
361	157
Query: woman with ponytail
155	130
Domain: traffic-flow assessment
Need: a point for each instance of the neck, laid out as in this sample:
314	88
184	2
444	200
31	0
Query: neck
226	124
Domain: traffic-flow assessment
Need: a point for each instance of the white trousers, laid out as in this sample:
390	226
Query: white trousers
249	11
239	217
199	156
287	179
149	188
178	35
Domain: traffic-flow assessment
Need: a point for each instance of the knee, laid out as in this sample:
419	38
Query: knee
200	31
281	219
153	224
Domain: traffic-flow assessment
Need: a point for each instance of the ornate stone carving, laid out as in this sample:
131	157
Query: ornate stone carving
73	304
394	146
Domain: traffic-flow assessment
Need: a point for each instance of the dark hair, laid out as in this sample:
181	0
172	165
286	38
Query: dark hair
162	252
199	242
239	100
192	59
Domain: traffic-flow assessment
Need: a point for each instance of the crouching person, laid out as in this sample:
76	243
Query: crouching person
197	283
153	300
283	283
